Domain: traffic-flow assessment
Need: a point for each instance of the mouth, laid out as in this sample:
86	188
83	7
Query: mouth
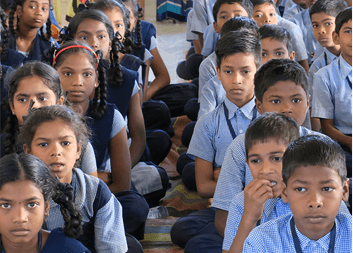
20	231
315	218
273	183
56	167
38	20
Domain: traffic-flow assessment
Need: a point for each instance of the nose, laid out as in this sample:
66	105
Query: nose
20	215
286	108
236	78
39	11
94	43
267	19
55	150
266	168
315	200
322	29
78	80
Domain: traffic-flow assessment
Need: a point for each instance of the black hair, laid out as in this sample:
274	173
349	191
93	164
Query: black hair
314	150
138	14
16	167
239	23
49	77
277	70
115	71
278	33
238	42
260	2
4	43
12	16
101	93
330	7
6	4
246	4
271	125
342	18
106	5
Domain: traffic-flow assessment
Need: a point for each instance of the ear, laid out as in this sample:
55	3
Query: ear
26	149
18	11
259	106
308	100
60	101
96	82
218	73
345	190
12	106
336	38
292	56
284	192
47	208
78	153
215	27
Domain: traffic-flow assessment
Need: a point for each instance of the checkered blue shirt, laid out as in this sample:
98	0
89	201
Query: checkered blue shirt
203	15
276	236
207	70
235	173
210	37
211	135
332	96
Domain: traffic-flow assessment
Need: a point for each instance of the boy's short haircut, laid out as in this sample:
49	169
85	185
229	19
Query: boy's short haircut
238	42
278	33
260	2
330	7
342	18
246	4
277	70
239	23
314	150
271	125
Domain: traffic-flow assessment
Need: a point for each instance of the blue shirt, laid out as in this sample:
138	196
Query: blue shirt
295	9
332	95
207	70
211	135
190	36
276	236
210	37
203	15
303	20
212	95
101	214
283	6
235	173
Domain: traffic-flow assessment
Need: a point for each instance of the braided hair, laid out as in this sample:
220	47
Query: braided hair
50	78
4	34
138	14
16	167
99	101
14	31
115	71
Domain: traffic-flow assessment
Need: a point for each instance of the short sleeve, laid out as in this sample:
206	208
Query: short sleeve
207	70
88	162
148	55
153	43
118	123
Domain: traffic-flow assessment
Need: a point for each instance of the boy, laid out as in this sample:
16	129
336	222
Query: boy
264	13
323	15
295	9
238	57
332	89
266	140
314	186
281	85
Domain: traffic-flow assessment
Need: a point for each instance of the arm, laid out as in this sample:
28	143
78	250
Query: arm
120	162
205	181
143	98
161	74
305	65
220	221
137	129
329	129
200	41
197	46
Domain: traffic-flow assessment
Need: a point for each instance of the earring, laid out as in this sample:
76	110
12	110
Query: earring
13	113
46	216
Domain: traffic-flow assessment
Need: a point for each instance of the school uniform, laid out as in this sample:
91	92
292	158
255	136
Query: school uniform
207	70
303	20
212	95
190	36
295	9
210	37
278	236
283	6
101	214
203	15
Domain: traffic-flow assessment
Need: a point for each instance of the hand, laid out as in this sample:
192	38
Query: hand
106	177
255	195
216	172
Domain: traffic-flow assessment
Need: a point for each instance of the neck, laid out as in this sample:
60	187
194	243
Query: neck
30	247
80	108
314	234
242	102
347	58
26	33
336	50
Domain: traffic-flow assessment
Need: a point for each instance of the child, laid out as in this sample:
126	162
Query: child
298	7
26	44
266	140
332	89
55	135
264	13
45	90
323	15
276	43
236	66
315	185
281	85
26	190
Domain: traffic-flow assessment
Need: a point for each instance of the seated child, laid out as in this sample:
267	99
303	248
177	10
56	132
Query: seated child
283	5
26	190
281	85
332	89
323	15
236	66
314	179
264	13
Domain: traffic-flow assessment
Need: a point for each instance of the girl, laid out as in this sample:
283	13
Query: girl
23	212
55	135
44	90
26	43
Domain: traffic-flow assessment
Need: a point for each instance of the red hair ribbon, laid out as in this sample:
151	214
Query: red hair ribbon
75	46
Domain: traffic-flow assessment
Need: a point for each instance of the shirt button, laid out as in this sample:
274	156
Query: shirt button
241	131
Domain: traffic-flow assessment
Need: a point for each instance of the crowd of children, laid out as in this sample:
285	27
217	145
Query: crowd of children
83	131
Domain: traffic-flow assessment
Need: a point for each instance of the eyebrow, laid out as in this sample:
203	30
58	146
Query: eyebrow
46	139
25	200
26	95
271	153
328	181
37	2
87	32
300	181
68	68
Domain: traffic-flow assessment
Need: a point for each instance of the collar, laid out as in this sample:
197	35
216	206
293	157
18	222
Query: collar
247	109
330	56
344	67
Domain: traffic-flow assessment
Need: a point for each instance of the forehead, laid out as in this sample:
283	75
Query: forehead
317	17
78	60
314	174
272	144
348	24
239	59
114	13
28	190
91	26
37	83
41	2
285	89
271	43
225	8
264	7
54	128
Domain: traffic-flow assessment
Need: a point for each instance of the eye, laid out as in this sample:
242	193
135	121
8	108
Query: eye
275	101
327	189
296	100
228	72
300	189
101	36
264	54
315	26
328	23
246	71
43	98
5	205
23	100
67	74
254	161
87	74
65	143
258	16
279	53
44	9
84	37
118	25
43	144
348	31
272	14
277	158
224	17
33	204
32	6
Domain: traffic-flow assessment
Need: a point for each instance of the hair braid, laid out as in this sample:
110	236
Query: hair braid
5	34
11	18
115	71
11	130
48	24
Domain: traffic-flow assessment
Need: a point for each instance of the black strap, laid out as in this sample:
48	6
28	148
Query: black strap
298	249
349	82
231	129
325	56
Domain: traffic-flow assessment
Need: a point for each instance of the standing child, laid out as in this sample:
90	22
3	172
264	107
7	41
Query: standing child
26	190
332	90
55	135
315	185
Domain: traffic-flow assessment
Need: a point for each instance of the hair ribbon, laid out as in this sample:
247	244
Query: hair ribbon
75	46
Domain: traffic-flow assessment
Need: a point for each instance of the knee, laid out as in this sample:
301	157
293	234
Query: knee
187	133
188	176
182	161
